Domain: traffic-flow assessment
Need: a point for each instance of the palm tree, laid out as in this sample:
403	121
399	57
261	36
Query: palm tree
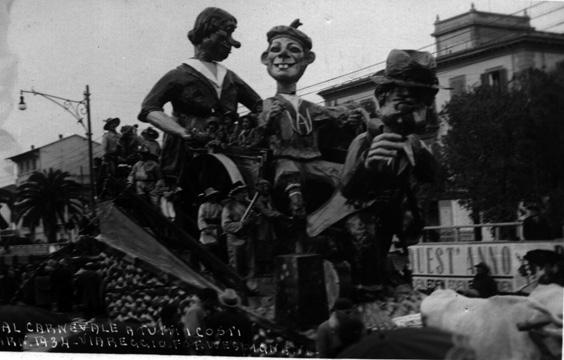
49	196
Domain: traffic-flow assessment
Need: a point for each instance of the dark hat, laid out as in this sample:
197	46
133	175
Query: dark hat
290	31
410	68
482	266
209	192
230	298
207	22
150	133
127	129
237	187
109	122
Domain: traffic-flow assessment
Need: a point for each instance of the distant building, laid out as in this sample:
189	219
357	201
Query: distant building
68	154
480	47
472	48
477	47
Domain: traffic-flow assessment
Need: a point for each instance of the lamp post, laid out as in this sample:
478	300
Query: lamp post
78	109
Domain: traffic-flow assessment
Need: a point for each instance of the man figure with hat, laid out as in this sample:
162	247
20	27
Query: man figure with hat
385	164
198	89
240	247
150	136
291	124
209	220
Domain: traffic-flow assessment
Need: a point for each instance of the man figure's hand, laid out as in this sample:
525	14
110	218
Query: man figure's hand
383	149
357	117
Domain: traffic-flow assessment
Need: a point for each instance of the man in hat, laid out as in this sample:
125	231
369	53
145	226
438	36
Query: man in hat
146	176
129	144
290	123
327	342
209	220
483	285
268	215
240	247
385	164
111	149
198	89
150	136
232	328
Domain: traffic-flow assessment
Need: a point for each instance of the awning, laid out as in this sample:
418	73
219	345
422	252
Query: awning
120	232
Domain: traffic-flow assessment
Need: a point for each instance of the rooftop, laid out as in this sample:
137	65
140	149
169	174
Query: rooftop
34	150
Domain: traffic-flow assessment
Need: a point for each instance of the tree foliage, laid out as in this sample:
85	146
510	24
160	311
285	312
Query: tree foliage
49	196
506	144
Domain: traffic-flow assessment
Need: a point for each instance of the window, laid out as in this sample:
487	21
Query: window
496	78
457	85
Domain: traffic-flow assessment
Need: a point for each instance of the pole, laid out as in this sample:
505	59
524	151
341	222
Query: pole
90	154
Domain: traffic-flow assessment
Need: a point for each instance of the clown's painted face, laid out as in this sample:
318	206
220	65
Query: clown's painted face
286	59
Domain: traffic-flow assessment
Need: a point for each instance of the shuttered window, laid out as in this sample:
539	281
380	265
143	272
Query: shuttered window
496	78
457	85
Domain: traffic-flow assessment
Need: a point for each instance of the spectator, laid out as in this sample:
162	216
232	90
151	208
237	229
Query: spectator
150	136
350	331
328	342
194	317
247	137
42	288
483	285
61	283
169	194
240	248
535	226
231	318
209	221
146	176
170	319
129	143
90	290
266	236
112	150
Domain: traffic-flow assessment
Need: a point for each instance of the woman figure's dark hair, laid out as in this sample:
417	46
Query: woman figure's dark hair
208	22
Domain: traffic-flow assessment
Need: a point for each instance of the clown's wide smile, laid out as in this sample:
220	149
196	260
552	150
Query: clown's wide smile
283	65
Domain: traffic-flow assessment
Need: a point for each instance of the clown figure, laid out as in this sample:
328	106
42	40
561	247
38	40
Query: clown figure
290	124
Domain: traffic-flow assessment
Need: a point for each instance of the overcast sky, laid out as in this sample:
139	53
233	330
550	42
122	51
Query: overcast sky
121	47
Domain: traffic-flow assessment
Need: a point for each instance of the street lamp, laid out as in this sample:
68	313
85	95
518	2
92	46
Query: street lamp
77	108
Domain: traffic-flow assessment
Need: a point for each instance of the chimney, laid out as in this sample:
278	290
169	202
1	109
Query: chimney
32	147
60	136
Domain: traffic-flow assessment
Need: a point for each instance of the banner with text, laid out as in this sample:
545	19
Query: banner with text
451	265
